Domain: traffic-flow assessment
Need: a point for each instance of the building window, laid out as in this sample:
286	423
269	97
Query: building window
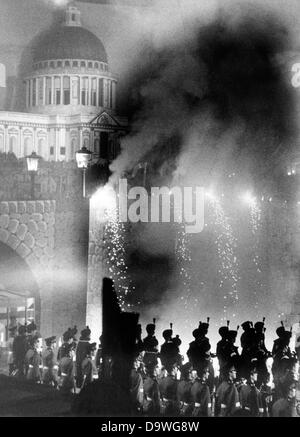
48	90
94	92
41	146
59	63
66	87
13	145
84	91
52	65
27	146
34	92
75	64
86	142
40	65
51	150
90	65
45	64
73	148
57	90
106	67
62	150
67	64
101	65
96	65
82	64
96	145
40	91
100	91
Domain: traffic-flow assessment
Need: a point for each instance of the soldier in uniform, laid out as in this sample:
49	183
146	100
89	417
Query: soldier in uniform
260	352
66	369
50	367
19	351
221	350
10	358
151	395
288	405
250	396
248	339
150	346
88	369
169	351
33	360
168	392
68	338
99	358
199	349
280	350
200	393
81	353
184	391
136	387
227	396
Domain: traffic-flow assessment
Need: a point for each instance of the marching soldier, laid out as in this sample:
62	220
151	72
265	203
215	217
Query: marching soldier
168	392
68	338
150	345
50	367
33	360
11	358
81	353
66	369
222	347
88	369
248	339
19	351
169	351
199	350
289	404
200	393
136	388
260	352
250	396
151	399
279	351
227	396
184	391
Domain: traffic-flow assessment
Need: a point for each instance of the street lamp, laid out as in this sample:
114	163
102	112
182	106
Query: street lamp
83	156
32	167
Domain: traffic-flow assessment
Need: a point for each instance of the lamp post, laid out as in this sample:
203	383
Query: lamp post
32	167
83	156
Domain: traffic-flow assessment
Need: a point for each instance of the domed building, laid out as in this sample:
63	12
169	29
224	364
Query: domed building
70	98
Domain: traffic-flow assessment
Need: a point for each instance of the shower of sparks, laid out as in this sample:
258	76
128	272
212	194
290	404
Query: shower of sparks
255	222
183	255
115	259
113	242
226	246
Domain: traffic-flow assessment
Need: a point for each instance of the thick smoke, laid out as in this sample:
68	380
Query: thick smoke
212	101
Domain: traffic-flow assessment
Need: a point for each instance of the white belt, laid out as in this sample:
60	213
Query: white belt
45	368
238	404
40	366
63	374
30	366
141	390
197	404
261	410
166	400
223	406
209	405
55	367
185	404
148	399
247	408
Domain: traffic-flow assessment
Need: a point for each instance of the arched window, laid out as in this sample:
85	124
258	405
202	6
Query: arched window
73	148
41	147
27	146
86	142
97	146
13	144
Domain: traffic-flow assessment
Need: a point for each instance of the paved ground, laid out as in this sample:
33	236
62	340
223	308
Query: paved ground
25	399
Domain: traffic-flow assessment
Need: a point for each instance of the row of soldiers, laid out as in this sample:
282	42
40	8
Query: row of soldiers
73	366
241	387
160	382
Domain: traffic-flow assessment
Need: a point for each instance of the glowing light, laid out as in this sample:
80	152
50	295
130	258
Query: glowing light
105	203
249	198
211	195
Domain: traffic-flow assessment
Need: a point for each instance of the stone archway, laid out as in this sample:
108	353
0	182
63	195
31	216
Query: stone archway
17	284
28	229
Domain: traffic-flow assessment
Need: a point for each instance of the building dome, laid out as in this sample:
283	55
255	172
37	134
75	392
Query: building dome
69	42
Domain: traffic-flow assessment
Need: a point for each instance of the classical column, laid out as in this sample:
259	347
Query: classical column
52	91
21	152
27	93
61	90
80	85
44	90
97	92
31	92
114	86
89	102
